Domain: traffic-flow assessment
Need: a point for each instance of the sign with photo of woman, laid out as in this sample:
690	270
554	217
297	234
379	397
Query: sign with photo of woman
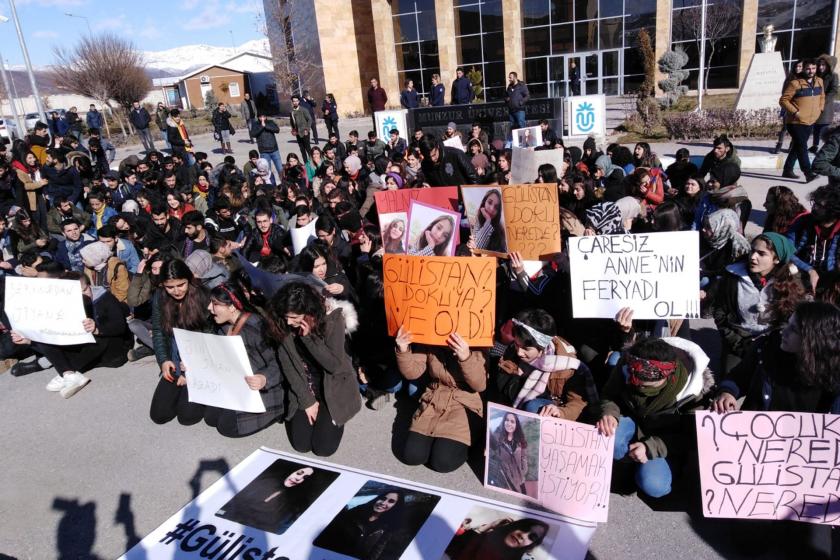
278	496
487	534
513	450
432	231
394	227
378	523
485	213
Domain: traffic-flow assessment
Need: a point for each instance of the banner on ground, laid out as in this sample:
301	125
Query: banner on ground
532	220
433	297
770	465
279	505
655	274
47	310
565	466
216	367
525	163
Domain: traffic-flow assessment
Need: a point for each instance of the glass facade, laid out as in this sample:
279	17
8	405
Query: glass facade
599	36
480	43
723	21
802	27
415	38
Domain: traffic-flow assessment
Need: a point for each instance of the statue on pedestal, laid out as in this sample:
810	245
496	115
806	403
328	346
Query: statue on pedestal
768	41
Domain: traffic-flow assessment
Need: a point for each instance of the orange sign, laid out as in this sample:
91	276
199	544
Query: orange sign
532	220
435	296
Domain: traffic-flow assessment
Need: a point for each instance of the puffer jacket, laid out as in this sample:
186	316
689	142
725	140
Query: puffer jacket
803	101
827	161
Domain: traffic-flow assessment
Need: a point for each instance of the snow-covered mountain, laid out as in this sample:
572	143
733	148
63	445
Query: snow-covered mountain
178	61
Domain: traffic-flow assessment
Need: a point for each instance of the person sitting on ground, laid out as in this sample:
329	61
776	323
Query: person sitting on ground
68	252
105	270
722	152
680	171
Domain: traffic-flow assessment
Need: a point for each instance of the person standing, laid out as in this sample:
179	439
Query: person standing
161	114
409	99
248	110
574	78
462	91
825	70
437	97
301	123
74	123
330	111
140	119
377	98
516	96
309	102
263	130
178	138
803	101
94	118
222	126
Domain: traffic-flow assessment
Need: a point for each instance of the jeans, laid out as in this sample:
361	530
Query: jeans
165	139
250	123
146	138
534	405
332	127
303	144
799	135
517	119
654	477
818	128
274	157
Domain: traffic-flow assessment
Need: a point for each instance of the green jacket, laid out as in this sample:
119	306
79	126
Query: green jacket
827	161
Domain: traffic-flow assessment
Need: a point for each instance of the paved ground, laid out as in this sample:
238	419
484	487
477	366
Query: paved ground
88	477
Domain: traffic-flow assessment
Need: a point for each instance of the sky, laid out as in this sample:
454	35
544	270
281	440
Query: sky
152	25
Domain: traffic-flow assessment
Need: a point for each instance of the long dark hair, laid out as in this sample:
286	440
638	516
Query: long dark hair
231	294
391	245
30	233
819	357
788	290
647	156
395	513
518	435
294	297
497	536
786	207
439	250
191	312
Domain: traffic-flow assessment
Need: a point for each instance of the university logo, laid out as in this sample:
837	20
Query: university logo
388	123
585	117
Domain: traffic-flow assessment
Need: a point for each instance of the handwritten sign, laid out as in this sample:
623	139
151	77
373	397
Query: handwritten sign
302	235
388	202
47	310
655	273
532	220
770	465
436	296
525	163
216	367
575	464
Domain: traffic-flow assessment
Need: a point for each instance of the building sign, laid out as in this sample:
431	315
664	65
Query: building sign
535	109
389	120
587	115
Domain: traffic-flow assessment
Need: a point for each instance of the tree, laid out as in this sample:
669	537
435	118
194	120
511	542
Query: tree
105	67
672	63
723	19
647	89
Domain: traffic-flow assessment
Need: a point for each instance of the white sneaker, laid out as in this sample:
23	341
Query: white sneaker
73	384
56	384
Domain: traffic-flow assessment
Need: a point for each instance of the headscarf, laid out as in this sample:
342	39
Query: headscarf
199	262
782	246
96	255
605	218
642	370
605	163
725	225
353	163
397	179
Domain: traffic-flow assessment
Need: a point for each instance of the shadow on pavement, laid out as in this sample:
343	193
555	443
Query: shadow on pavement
76	532
125	517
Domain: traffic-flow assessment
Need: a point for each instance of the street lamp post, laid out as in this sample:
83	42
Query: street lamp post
27	62
87	21
21	125
701	85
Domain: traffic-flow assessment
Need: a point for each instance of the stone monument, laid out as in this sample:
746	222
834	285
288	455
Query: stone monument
762	85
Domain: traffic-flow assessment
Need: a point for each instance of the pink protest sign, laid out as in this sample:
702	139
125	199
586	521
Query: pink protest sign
565	466
770	465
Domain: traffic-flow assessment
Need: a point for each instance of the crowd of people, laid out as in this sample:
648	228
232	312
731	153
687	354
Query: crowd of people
165	241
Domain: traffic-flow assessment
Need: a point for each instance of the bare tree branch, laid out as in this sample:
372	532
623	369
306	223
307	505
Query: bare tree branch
723	19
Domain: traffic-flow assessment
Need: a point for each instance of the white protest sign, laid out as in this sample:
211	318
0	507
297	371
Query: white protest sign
47	310
526	162
655	274
455	142
216	367
302	235
252	512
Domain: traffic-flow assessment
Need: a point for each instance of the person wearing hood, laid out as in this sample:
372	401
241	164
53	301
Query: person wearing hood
443	165
754	295
827	162
590	154
610	177
721	232
105	319
646	402
722	152
825	71
105	270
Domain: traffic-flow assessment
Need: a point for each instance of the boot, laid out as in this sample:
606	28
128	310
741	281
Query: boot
776	150
229	150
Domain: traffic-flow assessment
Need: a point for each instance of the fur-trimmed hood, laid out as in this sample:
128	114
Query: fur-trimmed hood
351	317
700	378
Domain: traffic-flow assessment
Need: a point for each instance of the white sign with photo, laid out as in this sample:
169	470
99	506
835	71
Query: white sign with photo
529	137
655	274
47	310
525	163
216	367
276	504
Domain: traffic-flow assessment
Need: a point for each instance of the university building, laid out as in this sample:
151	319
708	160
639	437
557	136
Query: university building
336	46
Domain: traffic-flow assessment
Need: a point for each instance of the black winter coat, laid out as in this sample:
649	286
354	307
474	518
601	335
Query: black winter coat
453	168
264	134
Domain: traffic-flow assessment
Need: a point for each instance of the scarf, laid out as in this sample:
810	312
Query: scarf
541	368
661	398
605	218
182	130
725	226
